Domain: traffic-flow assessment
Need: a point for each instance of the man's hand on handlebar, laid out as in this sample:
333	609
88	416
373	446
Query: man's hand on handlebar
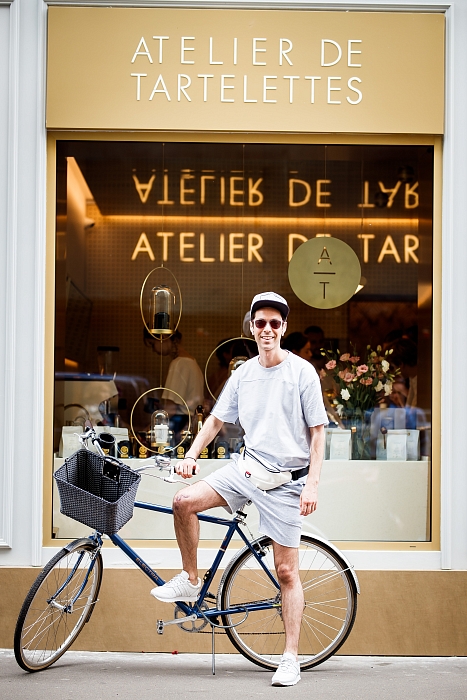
187	468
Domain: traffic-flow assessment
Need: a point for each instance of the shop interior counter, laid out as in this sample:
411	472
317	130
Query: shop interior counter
358	501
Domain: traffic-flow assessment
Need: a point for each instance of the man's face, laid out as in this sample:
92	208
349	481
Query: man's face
161	347
305	352
268	338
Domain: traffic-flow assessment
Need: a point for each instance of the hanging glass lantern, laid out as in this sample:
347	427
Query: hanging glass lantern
161	310
160	429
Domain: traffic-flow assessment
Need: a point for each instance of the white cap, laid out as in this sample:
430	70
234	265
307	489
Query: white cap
270	299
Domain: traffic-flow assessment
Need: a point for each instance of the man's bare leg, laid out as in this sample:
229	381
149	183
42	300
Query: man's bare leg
286	563
186	504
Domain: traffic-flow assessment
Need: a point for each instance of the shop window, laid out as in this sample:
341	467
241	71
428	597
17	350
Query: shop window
222	221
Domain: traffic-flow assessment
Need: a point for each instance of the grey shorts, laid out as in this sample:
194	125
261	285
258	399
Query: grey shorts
279	508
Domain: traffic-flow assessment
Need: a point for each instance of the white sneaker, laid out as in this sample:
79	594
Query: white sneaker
288	671
178	588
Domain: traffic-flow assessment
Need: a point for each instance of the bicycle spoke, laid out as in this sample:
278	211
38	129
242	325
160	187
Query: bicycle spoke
318	622
311	628
319	581
324	612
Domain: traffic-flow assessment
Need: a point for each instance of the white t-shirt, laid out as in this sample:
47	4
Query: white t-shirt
275	406
185	377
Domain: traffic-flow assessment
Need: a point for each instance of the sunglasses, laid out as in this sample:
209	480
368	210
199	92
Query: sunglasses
262	323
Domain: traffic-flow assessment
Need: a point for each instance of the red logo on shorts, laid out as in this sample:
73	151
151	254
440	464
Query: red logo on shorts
247	474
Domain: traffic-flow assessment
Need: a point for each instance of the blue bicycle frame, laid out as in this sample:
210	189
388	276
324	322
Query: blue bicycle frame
232	526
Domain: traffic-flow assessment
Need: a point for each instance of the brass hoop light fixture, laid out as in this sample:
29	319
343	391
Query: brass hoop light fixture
229	340
168	336
149	391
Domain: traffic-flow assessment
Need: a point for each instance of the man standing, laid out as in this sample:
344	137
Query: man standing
277	399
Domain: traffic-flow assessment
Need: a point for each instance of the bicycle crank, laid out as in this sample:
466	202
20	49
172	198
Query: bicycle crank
161	624
190	623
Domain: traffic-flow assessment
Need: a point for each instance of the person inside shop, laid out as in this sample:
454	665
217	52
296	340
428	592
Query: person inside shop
276	397
315	336
184	378
298	344
311	351
405	357
218	377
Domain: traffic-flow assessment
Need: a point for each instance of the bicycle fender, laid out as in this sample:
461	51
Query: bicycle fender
73	545
341	556
81	540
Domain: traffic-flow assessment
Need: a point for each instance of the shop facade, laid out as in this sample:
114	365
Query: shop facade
199	148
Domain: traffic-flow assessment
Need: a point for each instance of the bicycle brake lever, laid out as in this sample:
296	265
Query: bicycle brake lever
162	461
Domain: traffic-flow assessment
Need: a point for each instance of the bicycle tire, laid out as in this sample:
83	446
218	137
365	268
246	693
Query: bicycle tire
49	623
330	604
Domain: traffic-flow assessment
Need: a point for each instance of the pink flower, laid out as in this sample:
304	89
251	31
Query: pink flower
354	360
348	376
361	369
366	381
345	357
341	374
331	364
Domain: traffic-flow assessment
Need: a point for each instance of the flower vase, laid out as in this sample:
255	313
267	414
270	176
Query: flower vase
360	426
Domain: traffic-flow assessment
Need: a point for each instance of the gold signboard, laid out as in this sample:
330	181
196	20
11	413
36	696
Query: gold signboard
245	70
324	272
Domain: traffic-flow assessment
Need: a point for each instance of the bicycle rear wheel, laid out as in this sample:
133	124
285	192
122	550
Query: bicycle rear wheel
59	604
330	604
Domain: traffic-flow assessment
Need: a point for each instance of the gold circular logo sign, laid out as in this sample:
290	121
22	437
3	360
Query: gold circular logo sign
324	272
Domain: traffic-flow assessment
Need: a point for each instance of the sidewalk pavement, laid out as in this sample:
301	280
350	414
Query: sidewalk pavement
104	676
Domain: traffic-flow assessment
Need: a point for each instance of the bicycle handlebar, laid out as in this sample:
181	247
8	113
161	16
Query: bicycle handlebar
163	462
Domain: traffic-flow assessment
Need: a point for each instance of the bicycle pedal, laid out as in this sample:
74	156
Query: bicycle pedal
160	627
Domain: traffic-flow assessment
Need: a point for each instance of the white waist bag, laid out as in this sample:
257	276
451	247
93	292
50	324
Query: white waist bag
261	473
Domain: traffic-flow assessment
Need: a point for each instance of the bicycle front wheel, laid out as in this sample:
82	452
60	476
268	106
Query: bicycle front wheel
59	604
328	616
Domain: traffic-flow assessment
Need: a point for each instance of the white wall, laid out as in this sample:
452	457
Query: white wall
5	485
22	255
454	340
22	316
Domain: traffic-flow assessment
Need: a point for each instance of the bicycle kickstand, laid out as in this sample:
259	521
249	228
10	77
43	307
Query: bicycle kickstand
213	649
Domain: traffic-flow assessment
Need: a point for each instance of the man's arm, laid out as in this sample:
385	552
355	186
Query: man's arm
309	496
207	433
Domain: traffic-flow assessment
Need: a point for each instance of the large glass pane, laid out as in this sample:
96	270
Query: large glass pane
221	221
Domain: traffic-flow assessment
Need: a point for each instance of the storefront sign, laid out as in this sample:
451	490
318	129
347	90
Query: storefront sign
194	247
245	70
324	273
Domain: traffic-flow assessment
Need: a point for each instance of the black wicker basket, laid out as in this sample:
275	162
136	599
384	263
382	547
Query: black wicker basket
90	497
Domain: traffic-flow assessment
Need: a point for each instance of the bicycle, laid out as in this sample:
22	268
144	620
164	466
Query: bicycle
247	605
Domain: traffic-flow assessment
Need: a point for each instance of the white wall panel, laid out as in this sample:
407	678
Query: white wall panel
5	480
21	332
454	322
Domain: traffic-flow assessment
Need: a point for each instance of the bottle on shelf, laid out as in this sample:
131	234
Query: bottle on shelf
199	422
160	438
124	449
220	449
182	449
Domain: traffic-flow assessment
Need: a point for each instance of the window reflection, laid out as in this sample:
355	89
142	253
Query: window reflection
225	220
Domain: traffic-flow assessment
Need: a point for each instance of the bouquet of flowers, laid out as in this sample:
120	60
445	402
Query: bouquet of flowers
361	385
